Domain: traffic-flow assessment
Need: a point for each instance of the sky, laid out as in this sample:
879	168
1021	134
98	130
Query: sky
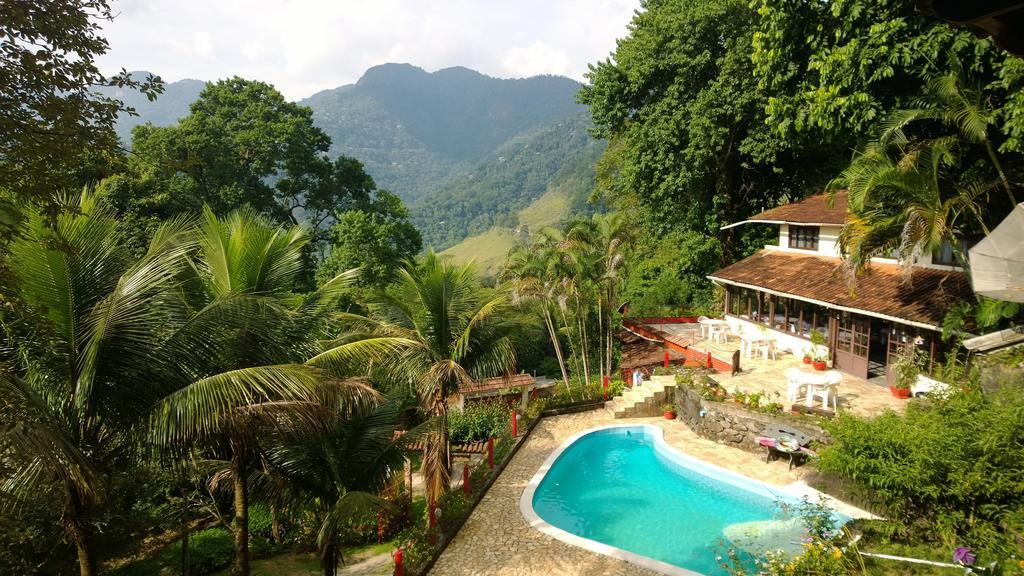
303	46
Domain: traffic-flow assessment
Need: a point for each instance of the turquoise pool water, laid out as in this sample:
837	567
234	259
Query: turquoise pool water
621	487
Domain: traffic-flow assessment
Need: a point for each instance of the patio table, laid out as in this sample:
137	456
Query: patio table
814	383
716	329
752	341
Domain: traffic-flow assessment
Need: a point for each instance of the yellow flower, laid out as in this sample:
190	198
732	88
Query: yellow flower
1021	564
790	569
837	553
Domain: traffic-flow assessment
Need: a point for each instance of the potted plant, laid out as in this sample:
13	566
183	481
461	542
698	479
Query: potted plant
670	411
807	356
819	350
905	368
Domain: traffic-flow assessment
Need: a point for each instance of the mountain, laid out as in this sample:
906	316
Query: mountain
465	151
164	111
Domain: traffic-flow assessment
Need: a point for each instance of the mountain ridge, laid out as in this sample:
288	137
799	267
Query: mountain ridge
455	144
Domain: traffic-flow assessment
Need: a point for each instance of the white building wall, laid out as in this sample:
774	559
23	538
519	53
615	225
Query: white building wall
828	240
783	342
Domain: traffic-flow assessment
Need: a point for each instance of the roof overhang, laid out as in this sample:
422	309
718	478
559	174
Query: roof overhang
735	224
827	304
996	340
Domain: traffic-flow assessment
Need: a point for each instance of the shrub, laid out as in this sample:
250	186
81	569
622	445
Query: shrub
209	550
947	470
478	422
549	367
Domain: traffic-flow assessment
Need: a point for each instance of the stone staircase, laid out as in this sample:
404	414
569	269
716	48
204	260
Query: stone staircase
643	400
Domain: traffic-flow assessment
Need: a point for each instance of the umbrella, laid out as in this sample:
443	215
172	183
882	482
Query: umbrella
997	262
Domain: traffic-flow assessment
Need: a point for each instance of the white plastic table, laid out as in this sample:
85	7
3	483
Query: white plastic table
814	383
750	342
716	329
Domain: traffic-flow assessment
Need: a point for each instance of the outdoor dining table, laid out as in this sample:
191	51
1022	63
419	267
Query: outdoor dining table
716	328
749	342
814	383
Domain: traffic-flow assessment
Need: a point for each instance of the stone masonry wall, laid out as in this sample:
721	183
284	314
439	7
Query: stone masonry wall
729	423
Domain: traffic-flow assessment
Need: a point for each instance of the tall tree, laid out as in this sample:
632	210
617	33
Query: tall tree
50	120
376	237
689	149
110	336
436	330
249	323
241	144
338	474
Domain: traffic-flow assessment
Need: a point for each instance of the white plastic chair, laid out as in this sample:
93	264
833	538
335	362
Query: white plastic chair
704	327
830	389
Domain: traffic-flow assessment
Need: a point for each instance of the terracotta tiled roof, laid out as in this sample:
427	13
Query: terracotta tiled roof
638	353
811	210
499	383
879	291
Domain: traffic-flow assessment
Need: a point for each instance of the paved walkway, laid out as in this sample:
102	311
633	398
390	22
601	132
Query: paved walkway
496	540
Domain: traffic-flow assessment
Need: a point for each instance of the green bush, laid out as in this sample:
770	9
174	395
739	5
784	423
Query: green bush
478	422
948	470
209	550
549	367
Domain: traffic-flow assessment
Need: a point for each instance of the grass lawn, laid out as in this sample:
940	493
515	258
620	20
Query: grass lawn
308	563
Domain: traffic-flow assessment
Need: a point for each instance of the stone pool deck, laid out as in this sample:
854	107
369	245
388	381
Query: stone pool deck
496	540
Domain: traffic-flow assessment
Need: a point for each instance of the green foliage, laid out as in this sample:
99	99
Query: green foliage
949	470
286	177
507	181
209	550
376	238
478	421
54	124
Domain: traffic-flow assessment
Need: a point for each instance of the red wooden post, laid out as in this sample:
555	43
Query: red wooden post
465	478
666	358
490	452
515	424
399	569
606	388
709	358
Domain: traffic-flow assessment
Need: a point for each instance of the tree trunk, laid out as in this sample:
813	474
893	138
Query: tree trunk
185	533
1002	175
558	347
240	523
77	529
572	348
329	558
600	331
436	464
275	525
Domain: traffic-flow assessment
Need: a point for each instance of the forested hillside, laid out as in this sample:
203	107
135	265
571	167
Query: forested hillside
464	150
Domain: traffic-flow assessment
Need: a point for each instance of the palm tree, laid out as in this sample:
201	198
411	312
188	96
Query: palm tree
599	245
528	270
436	330
76	365
337	475
957	103
250	332
902	201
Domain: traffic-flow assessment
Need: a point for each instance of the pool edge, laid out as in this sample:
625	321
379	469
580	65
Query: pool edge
658	433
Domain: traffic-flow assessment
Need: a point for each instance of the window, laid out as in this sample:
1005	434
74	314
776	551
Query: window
944	255
803	237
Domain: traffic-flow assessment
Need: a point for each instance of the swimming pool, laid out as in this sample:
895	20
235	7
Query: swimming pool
624	492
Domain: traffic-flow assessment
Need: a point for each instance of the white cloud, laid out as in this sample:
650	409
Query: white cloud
302	46
537	58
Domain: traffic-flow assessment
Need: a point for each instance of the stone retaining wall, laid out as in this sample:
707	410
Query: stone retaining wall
732	424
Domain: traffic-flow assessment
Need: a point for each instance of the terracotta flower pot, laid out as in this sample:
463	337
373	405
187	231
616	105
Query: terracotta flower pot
820	365
900	392
670	415
807	359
